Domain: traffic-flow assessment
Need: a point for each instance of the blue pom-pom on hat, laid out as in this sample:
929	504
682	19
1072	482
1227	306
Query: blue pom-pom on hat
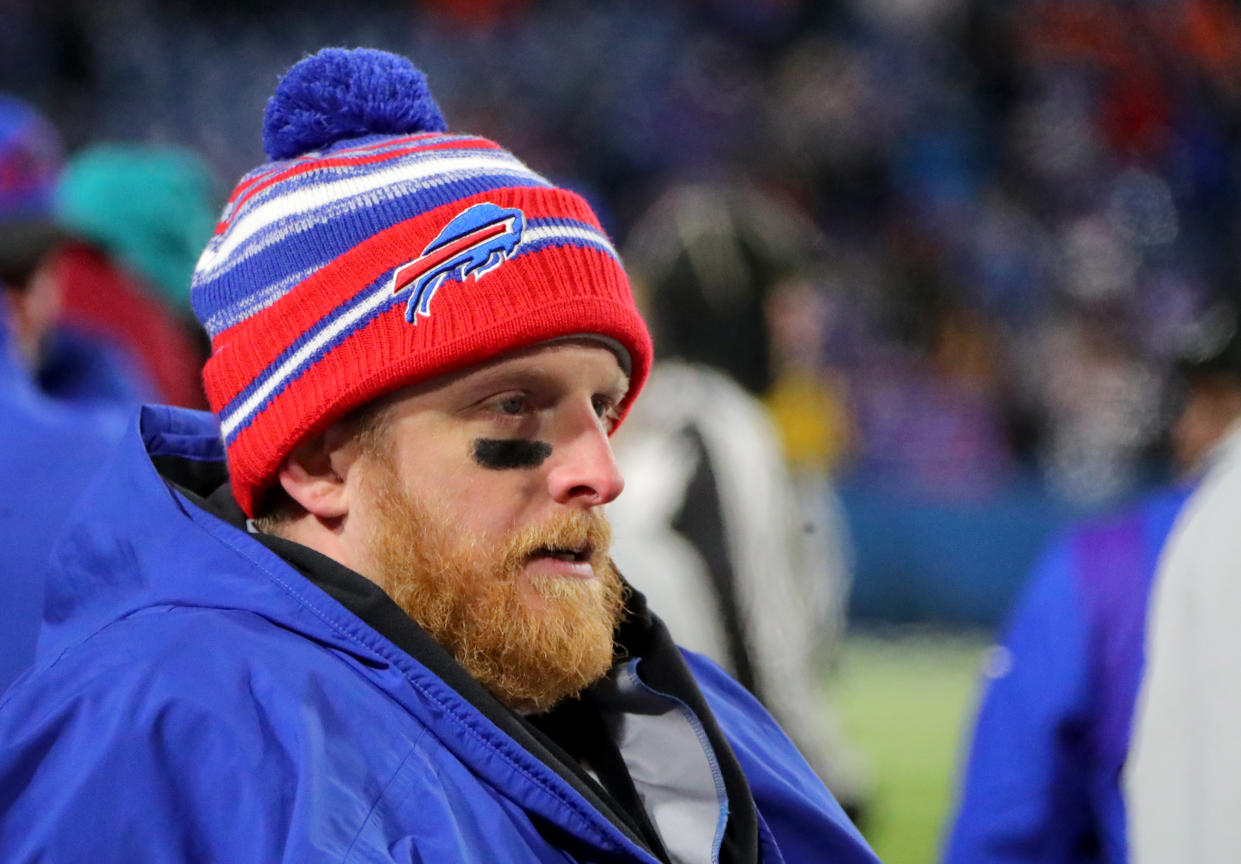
339	94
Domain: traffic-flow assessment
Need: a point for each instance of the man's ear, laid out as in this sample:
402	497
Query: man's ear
316	474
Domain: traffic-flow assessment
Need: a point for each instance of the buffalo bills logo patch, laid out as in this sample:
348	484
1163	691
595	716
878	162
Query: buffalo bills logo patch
474	243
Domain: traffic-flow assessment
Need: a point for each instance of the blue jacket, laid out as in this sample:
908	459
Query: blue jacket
196	698
1043	780
48	452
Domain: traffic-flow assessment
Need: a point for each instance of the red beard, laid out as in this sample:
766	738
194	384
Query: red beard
531	640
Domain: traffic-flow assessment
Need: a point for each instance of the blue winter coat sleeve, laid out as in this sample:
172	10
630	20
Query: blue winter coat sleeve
148	781
1023	798
185	760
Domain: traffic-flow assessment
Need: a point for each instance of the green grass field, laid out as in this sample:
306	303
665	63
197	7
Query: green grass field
906	698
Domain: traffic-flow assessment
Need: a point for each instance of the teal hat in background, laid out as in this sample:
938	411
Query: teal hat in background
151	206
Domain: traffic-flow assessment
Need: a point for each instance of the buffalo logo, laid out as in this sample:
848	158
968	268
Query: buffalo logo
475	242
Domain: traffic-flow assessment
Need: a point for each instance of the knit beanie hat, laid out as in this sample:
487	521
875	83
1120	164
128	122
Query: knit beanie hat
376	250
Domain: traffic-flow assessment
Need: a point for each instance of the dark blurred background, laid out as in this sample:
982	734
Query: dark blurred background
1030	207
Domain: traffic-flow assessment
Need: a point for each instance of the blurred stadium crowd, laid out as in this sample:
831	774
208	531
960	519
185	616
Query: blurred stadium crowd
1026	211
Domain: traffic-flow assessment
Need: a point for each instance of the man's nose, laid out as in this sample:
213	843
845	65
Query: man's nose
584	471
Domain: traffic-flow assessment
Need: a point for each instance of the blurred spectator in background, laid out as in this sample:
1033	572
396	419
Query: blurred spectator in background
1181	779
48	451
1098	403
1042	782
1043	777
746	559
810	406
31	157
139	215
808	400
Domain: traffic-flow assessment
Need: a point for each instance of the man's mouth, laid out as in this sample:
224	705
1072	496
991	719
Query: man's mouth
561	553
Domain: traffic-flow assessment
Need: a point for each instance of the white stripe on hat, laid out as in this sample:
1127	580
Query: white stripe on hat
301	357
566	232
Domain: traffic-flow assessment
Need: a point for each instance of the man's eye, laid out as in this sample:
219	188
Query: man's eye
511	404
605	410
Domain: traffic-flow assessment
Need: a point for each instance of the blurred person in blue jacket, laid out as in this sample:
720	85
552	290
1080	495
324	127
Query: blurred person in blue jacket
48	451
138	215
31	158
48	454
83	239
366	610
1043	777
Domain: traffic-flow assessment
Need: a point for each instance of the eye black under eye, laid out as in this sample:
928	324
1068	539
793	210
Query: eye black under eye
505	453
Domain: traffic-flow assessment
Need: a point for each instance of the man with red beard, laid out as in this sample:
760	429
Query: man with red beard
364	611
505	565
